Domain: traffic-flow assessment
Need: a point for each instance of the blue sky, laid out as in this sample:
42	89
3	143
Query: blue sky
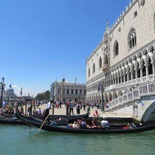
45	40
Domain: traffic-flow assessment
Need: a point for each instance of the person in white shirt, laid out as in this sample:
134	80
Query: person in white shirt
39	112
48	107
71	105
105	124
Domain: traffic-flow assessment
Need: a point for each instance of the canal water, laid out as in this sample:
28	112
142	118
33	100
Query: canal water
22	140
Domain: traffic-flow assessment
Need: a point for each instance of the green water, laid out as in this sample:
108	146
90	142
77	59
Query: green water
21	140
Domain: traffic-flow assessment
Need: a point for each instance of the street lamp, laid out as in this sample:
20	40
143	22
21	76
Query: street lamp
102	96
101	87
2	89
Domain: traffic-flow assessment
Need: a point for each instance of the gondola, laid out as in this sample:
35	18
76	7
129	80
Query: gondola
70	118
137	127
13	120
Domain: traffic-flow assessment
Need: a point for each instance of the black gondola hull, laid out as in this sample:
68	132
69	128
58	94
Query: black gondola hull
113	130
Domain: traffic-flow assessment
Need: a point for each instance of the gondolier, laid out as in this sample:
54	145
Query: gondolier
48	107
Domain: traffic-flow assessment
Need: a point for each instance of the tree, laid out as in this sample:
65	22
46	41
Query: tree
43	96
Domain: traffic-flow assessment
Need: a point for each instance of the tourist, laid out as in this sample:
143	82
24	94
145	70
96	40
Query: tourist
35	111
71	105
57	104
96	113
128	126
67	108
60	103
107	106
84	106
95	123
105	124
39	111
75	125
97	105
92	105
78	108
83	124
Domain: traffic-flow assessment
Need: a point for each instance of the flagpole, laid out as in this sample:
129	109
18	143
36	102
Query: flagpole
102	96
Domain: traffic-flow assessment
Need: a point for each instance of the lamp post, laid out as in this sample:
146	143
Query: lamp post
2	89
102	96
101	87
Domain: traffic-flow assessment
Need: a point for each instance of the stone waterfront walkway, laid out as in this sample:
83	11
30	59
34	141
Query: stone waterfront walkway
62	111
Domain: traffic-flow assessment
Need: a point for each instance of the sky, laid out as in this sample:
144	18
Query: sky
42	41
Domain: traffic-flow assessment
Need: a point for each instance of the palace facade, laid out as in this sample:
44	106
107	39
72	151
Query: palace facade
66	91
125	58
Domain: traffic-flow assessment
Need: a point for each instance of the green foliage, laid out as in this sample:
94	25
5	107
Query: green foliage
43	96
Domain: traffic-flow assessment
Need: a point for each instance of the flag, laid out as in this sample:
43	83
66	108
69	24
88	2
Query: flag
99	87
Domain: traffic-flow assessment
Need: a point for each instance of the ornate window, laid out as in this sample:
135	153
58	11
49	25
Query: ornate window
67	91
143	70
100	62
93	68
126	76
134	74
135	14
106	61
150	69
88	72
72	91
116	48
129	74
142	2
132	39
138	72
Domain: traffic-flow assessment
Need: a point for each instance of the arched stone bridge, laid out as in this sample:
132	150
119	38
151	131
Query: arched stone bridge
138	103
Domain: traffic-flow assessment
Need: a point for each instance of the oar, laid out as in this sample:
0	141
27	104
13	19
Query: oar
42	124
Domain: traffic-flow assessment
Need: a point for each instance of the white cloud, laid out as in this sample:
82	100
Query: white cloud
17	90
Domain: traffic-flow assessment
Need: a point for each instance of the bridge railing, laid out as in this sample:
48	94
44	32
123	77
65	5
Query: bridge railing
134	94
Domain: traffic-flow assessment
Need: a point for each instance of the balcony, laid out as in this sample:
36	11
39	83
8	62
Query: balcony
105	67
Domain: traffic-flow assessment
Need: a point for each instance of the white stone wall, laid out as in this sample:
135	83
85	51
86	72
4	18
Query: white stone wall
94	59
67	86
143	23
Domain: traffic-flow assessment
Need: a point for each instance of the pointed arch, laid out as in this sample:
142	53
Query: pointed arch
88	72
93	67
150	68
100	62
116	48
132	38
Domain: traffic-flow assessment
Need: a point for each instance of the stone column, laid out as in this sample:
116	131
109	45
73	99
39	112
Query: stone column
147	72
153	67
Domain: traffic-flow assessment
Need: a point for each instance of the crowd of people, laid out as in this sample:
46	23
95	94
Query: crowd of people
8	109
95	123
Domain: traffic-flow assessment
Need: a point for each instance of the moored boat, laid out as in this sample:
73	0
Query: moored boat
70	118
137	127
13	120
